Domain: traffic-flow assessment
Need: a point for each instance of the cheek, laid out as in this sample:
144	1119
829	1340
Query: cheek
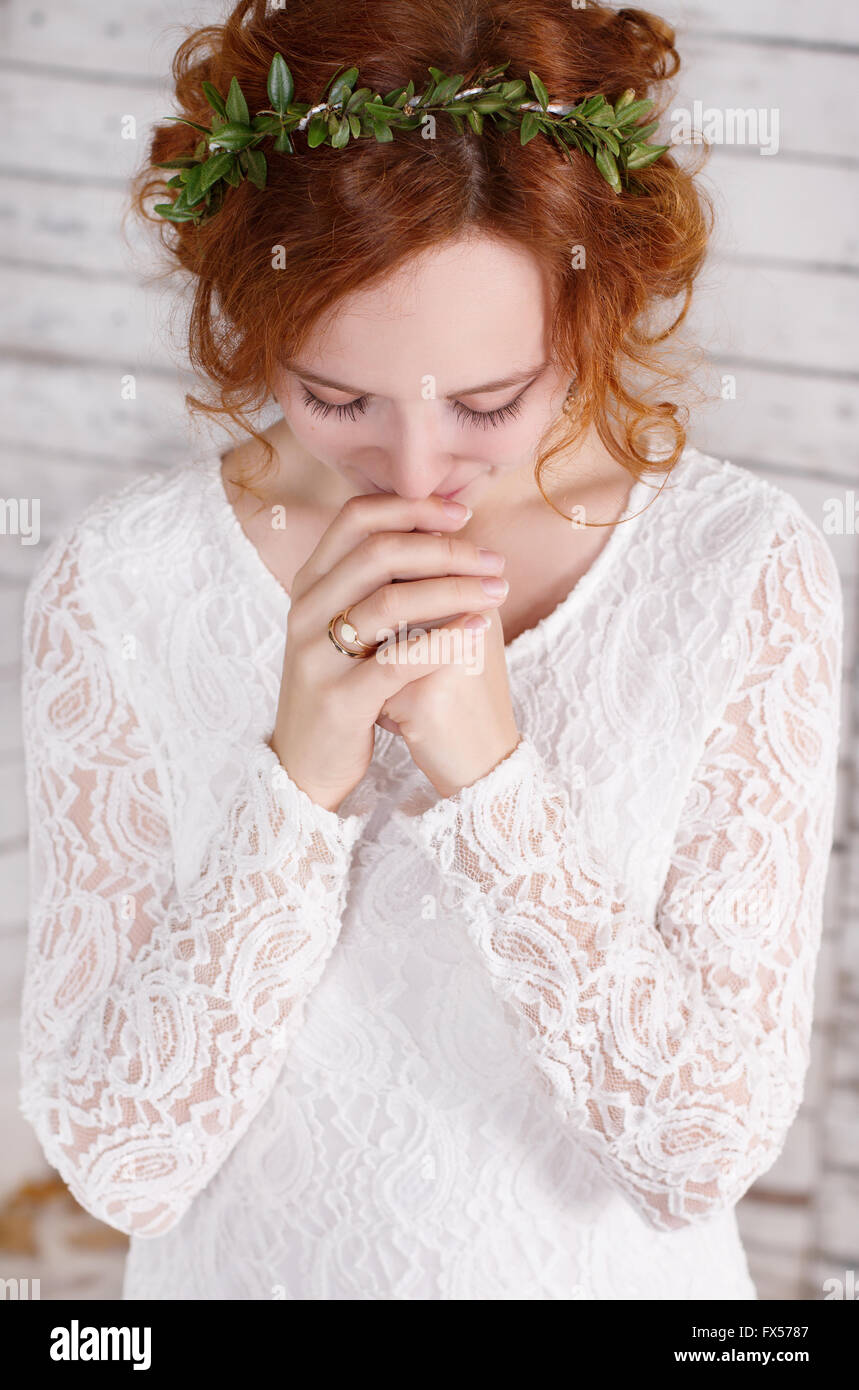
505	447
317	435
325	438
513	443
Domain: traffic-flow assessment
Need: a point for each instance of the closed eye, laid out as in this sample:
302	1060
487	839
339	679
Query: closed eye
350	411
481	419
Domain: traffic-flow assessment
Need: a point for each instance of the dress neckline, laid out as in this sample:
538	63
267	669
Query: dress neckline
546	627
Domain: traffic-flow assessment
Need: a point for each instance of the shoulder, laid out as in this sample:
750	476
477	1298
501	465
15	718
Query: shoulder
728	517
770	562
146	532
712	487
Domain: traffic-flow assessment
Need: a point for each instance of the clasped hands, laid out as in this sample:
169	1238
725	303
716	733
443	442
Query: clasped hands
447	694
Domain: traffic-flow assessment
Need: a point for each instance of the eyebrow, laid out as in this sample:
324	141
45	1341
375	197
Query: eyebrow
513	380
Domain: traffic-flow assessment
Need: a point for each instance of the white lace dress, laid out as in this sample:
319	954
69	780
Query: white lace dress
532	1041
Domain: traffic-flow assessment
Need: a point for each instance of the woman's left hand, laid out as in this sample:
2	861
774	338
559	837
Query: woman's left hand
458	720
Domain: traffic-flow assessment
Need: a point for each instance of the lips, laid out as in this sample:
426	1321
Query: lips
387	492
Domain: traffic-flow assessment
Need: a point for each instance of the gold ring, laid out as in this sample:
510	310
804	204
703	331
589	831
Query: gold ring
349	633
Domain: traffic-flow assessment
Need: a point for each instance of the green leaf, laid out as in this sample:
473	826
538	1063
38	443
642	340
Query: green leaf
333	124
182	161
266	125
491	102
625	100
604	117
233	136
630	114
281	87
587	108
341	88
354	125
283	144
214	169
194	190
494	72
539	90
643	155
514	91
643	132
530	127
215	100
384	134
457	120
233	175
448	89
257	167
380	112
192	124
608	168
436	74
237	107
608	139
167	210
341	135
475	120
317	131
357	99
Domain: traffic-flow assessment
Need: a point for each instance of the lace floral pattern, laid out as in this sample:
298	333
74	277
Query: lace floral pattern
561	1082
153	1024
678	1054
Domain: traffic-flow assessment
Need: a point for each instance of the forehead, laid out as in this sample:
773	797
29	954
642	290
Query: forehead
475	309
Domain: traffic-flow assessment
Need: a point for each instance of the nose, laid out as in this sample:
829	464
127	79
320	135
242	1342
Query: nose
418	461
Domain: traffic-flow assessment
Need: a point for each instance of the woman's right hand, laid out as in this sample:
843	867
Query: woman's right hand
329	703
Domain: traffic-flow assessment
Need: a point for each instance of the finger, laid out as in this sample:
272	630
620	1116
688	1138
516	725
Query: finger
391	557
379	677
424	601
361	516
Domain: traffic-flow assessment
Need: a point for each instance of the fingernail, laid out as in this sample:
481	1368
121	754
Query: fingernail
495	587
457	509
477	620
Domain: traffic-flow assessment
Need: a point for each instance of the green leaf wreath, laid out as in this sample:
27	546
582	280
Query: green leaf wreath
230	150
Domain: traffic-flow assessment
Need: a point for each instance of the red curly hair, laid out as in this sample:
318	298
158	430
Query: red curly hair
346	217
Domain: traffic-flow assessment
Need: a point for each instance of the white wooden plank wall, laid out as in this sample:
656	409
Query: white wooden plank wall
778	313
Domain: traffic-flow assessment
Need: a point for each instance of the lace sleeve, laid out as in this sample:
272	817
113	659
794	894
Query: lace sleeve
675	1049
153	1025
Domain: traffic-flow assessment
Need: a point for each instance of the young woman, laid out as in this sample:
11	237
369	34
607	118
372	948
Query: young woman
472	967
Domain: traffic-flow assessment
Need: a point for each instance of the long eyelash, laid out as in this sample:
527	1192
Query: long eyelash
344	412
485	418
